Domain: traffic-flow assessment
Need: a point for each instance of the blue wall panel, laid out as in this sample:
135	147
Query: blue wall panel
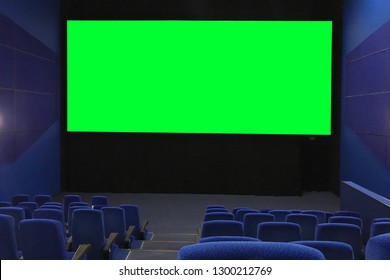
33	110
6	31
365	149
29	97
24	139
388	152
387	117
35	74
377	41
6	148
7	69
37	170
369	74
377	144
367	113
27	43
6	110
40	18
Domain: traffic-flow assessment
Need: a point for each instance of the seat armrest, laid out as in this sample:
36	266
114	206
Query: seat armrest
110	241
81	251
142	230
130	232
69	244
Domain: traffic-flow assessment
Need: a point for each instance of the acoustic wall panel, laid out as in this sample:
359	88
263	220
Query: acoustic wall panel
6	110
33	110
367	98
25	138
6	31
36	74
7	70
29	89
27	43
377	144
368	74
6	147
367	113
377	41
388	152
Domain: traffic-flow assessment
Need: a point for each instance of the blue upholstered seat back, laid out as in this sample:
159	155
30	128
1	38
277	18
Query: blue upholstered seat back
246	250
252	220
42	239
279	231
7	238
222	228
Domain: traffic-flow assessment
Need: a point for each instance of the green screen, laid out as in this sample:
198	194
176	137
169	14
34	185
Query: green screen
230	77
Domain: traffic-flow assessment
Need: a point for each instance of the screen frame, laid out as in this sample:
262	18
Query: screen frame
237	130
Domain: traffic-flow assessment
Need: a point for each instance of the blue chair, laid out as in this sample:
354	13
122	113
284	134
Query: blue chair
53	203
47	213
347	220
378	247
347	233
218	216
70	217
88	228
99	200
280	215
28	207
379	228
132	217
44	239
307	223
244	250
51	214
16	199
212	210
279	231
346	213
215	206
328	215
234	211
8	246
295	211
241	213
114	221
69	198
252	220
376	220
78	203
42	198
321	215
98	207
226	238
52	206
222	228
332	250
5	204
18	214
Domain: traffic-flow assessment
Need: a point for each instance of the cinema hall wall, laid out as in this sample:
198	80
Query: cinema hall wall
29	97
365	125
185	163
